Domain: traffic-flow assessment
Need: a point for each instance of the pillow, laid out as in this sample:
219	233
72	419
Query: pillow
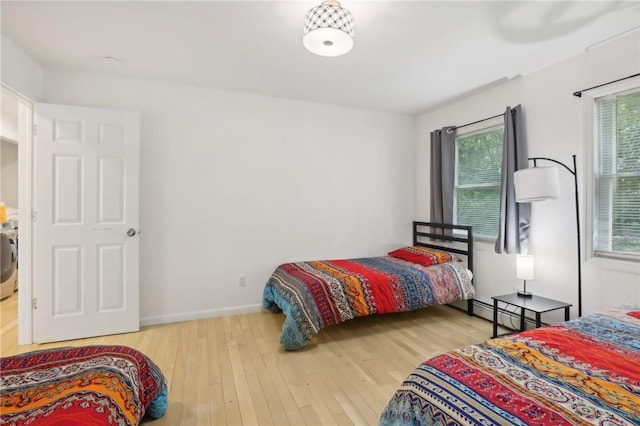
635	314
422	255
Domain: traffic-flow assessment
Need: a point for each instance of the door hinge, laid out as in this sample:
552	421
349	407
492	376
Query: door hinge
34	216
34	303
35	129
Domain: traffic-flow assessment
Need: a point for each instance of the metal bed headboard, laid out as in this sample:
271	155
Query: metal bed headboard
442	236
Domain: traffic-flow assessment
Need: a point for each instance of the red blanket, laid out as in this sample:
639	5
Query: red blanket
317	294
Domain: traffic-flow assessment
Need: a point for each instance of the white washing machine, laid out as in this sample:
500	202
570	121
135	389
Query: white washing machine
8	262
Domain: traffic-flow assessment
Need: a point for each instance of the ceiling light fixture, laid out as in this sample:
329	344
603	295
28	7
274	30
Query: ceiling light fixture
328	29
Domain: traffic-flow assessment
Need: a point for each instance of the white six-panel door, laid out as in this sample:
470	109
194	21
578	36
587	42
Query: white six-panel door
86	222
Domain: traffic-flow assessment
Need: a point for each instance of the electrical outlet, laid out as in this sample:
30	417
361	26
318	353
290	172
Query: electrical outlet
242	280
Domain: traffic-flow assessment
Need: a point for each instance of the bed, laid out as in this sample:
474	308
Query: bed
580	372
316	294
86	385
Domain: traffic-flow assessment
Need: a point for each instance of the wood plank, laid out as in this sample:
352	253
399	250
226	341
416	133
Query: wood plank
232	370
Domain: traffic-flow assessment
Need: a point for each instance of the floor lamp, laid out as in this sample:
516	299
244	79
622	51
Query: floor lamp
543	183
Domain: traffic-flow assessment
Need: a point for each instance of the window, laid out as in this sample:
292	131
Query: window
616	224
477	186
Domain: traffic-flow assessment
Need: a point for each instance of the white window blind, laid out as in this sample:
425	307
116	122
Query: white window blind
617	175
477	186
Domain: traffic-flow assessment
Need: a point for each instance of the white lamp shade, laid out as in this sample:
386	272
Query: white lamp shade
536	184
328	29
524	267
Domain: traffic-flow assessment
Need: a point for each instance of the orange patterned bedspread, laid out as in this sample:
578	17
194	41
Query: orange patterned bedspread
581	372
87	385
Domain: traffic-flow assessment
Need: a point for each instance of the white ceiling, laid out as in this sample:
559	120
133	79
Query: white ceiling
408	56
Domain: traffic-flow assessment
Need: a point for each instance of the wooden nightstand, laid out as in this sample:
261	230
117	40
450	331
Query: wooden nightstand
535	304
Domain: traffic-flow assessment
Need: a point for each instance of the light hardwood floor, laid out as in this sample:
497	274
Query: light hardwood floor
232	370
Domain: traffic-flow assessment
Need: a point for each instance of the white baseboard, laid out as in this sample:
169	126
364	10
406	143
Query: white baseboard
506	319
188	316
483	311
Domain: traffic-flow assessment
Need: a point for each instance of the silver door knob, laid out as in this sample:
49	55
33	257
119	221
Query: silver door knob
131	232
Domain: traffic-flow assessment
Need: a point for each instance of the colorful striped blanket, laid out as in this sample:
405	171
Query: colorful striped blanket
317	294
87	385
581	372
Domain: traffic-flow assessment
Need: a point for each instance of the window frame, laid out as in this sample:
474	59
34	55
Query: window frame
615	261
476	130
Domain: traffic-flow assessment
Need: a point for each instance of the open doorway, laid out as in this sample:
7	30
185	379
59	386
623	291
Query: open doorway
16	135
47	266
9	228
8	195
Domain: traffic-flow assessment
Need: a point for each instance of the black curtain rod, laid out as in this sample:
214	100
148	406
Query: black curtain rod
579	92
475	122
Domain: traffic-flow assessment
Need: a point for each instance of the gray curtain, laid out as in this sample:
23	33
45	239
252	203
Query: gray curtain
513	233
442	174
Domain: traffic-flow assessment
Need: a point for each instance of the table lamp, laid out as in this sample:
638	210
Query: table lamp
524	271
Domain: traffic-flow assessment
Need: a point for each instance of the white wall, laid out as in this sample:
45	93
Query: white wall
9	172
20	72
555	127
8	114
9	148
236	184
